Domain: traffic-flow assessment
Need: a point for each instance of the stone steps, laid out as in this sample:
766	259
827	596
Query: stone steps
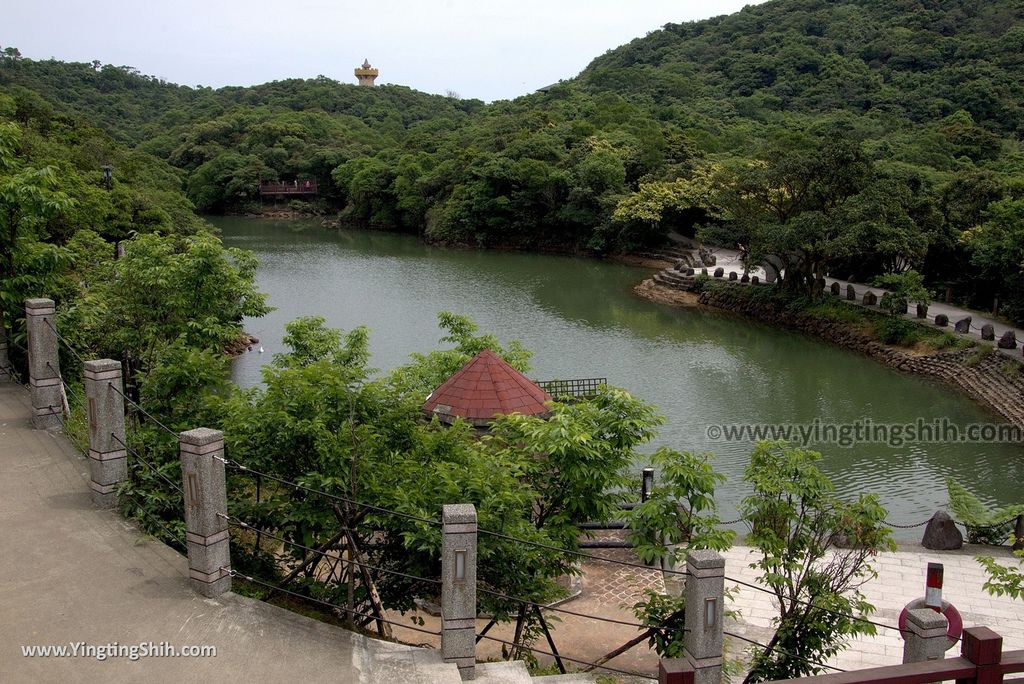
675	279
385	662
515	672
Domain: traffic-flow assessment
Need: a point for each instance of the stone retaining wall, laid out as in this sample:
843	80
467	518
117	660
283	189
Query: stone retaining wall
984	381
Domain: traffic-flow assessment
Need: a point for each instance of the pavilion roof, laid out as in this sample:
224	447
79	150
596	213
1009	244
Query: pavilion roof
485	387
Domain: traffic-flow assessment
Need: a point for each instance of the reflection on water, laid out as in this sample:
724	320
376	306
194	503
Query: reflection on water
581	320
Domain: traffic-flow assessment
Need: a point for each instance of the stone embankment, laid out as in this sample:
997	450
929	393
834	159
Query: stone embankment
990	379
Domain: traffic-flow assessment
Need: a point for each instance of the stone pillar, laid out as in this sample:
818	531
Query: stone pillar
458	587
43	365
105	407
705	612
206	531
1018	533
925	637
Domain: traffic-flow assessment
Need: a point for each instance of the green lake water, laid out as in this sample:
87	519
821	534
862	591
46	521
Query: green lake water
581	319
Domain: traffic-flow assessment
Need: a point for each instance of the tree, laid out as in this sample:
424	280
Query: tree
648	214
1004	580
996	249
811	207
679	515
904	287
29	198
167	290
815	554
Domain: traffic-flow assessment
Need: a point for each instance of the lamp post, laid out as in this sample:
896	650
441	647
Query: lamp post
108	175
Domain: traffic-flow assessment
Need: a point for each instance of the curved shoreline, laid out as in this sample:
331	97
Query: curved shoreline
981	379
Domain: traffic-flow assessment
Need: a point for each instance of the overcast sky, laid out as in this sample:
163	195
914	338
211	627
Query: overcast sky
484	49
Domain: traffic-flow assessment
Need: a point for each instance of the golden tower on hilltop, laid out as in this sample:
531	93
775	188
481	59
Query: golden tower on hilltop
366	73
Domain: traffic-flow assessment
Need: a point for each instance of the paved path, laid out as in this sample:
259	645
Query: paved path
900	579
70	573
729	260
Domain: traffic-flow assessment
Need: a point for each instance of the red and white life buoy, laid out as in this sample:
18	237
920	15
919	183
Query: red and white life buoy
956	623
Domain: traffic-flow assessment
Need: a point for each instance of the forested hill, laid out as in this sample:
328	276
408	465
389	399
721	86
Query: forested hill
899	122
134	107
919	59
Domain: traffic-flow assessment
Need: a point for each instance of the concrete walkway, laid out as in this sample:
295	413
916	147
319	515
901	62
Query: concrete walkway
71	573
729	260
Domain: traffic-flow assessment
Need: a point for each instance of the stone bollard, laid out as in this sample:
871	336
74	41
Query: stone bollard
5	359
206	528
941	320
107	455
705	601
941	533
869	299
458	587
988	332
925	637
43	365
1008	340
835	289
851	293
1018	534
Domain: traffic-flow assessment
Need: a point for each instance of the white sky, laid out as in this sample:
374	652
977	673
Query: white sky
484	49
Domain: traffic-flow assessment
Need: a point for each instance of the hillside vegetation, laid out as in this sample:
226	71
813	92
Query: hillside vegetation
852	138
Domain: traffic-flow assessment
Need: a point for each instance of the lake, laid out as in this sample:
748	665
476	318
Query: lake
581	319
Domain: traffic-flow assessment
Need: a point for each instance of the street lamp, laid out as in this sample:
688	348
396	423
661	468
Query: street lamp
108	175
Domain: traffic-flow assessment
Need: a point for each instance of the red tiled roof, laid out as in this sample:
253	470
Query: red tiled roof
483	388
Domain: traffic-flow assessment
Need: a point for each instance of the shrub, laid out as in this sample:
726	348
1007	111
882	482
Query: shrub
898	331
983	526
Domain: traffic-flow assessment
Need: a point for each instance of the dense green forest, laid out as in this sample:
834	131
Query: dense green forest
852	138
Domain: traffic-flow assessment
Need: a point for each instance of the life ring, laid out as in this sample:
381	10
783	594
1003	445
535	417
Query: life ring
956	622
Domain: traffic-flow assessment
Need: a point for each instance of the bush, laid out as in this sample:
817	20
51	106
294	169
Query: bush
983	526
898	331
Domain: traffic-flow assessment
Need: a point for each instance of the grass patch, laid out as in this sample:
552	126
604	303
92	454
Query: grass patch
1012	369
980	354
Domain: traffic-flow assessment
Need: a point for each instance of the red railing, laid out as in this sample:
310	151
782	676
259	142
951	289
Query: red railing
982	661
297	187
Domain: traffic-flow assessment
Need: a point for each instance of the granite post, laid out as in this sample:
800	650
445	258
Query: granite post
206	526
43	365
458	587
705	612
925	637
105	407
